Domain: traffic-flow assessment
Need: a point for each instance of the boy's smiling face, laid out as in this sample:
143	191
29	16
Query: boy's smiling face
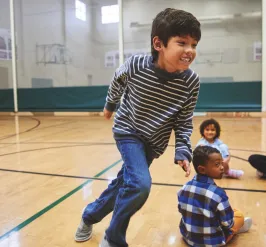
177	55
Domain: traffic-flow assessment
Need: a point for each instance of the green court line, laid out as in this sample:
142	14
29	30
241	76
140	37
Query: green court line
43	211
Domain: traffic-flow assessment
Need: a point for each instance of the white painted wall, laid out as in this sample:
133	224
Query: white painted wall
5	24
240	35
43	22
104	39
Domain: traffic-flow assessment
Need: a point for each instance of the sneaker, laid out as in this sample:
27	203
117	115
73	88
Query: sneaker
105	243
84	232
260	174
246	226
233	173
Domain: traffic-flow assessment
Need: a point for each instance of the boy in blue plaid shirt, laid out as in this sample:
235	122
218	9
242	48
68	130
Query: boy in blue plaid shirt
207	217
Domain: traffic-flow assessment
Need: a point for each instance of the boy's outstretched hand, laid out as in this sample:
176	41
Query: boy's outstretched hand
107	114
185	166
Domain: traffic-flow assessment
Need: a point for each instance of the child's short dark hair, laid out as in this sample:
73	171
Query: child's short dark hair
173	22
201	155
208	122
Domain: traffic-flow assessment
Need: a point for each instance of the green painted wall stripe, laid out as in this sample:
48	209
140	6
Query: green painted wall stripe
240	96
43	211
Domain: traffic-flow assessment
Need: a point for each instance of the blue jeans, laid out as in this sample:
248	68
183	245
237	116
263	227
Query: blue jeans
126	194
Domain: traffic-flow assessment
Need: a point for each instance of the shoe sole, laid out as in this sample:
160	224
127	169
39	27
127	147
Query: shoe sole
247	227
83	239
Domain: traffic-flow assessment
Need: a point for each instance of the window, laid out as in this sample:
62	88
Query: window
110	14
80	10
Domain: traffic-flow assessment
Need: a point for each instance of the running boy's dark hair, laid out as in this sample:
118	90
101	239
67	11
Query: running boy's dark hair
173	22
201	155
208	122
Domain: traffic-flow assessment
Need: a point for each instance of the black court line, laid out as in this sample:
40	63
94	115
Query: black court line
38	149
225	188
52	126
85	177
85	143
104	179
28	130
48	174
46	127
55	203
234	149
239	158
112	143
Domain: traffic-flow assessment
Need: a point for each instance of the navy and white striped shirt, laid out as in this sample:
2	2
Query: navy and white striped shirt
154	103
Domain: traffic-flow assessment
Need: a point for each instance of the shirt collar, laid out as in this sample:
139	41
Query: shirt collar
203	179
164	74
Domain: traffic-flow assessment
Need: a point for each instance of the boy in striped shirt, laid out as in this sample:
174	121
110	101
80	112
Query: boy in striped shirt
207	217
160	93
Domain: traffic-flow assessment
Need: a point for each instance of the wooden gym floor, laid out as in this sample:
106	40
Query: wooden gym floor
51	167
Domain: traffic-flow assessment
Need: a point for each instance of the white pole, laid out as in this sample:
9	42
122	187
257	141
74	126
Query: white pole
14	54
121	33
263	82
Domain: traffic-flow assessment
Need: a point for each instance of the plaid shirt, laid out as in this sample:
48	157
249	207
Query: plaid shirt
206	213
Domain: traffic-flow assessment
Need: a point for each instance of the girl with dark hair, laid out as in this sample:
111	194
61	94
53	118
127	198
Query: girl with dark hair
210	131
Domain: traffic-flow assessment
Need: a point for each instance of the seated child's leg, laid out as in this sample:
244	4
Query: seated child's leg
226	166
238	223
232	173
238	219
